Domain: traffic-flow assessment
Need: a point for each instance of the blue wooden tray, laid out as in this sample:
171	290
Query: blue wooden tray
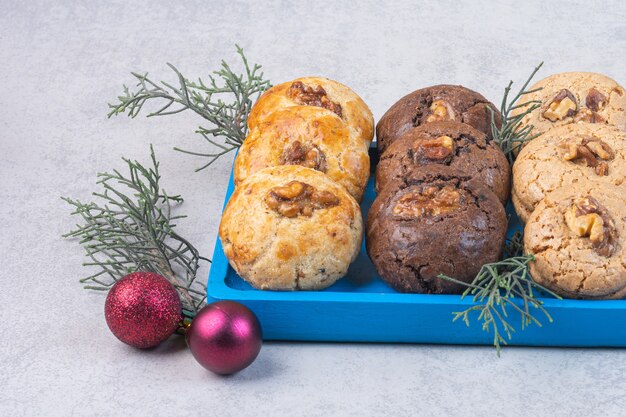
362	308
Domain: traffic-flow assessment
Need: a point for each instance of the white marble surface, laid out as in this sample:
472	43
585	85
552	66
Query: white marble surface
62	61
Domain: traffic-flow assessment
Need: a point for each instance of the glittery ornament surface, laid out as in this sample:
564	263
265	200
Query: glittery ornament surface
225	337
143	309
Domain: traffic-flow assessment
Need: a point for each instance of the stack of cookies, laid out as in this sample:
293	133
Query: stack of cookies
442	183
294	220
569	186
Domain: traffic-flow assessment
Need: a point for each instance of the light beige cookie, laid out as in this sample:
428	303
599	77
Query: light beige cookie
577	237
307	136
568	156
576	97
319	92
291	228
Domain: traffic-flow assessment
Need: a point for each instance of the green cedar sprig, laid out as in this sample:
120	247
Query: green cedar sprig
501	287
224	102
131	228
511	134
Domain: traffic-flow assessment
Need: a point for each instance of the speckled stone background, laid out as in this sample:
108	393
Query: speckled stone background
62	61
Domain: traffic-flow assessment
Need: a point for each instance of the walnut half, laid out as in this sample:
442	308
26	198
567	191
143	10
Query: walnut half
595	100
427	202
587	218
312	96
437	149
309	156
594	152
298	198
562	106
440	110
588	116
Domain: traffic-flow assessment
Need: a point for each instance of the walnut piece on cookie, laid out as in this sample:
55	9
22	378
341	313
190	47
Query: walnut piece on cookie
297	198
562	106
594	152
577	239
428	201
586	217
291	228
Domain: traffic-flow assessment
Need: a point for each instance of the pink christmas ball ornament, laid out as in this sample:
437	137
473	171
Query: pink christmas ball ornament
143	309
225	337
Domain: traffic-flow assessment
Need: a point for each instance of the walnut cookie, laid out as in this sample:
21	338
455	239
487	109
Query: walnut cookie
454	144
576	97
434	221
577	238
568	156
436	103
307	136
291	228
319	92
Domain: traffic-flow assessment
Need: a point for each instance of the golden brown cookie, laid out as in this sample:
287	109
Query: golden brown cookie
291	228
577	237
576	97
307	136
454	144
568	156
318	92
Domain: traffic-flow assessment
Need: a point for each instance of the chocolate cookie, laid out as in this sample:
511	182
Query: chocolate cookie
435	221
440	102
454	144
577	237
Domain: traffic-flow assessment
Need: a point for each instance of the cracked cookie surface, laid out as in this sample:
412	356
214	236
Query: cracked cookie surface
546	163
436	103
290	228
323	93
449	143
576	98
309	136
434	221
569	259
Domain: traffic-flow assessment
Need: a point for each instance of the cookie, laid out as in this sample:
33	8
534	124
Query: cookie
568	156
454	144
320	92
440	102
576	97
435	221
576	235
307	136
291	228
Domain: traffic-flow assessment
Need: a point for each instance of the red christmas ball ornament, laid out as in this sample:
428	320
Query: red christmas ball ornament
143	309
225	337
